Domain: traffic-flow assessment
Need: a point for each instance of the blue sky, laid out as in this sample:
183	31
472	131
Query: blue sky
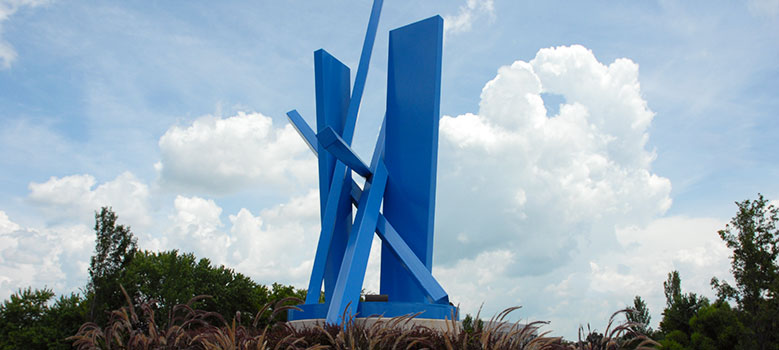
587	148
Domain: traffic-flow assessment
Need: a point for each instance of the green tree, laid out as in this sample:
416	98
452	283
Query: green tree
717	326
640	316
680	307
27	321
115	247
171	278
753	236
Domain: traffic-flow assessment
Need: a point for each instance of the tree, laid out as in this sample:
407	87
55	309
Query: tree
753	236
172	278
115	247
717	326
672	288
640	316
680	307
28	322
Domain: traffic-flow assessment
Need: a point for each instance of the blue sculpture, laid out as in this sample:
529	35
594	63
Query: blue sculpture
401	174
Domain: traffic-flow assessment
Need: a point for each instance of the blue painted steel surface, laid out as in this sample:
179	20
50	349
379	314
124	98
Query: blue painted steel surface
362	71
329	215
421	275
337	147
401	176
413	95
303	130
352	274
332	103
384	309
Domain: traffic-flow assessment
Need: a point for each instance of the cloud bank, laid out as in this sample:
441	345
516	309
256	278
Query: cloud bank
217	155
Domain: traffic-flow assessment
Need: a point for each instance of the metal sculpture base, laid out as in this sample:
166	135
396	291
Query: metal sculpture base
376	309
367	322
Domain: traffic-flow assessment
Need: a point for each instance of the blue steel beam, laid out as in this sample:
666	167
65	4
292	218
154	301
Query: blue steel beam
305	131
309	137
352	274
337	146
386	232
340	171
413	96
332	102
414	266
362	71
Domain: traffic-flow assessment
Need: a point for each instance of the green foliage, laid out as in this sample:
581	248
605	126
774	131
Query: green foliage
639	316
754	238
472	325
675	340
115	247
680	307
716	326
170	278
27	321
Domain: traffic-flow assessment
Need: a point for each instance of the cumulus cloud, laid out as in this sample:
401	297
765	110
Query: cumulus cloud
472	11
275	245
539	199
219	155
542	185
7	9
55	257
75	198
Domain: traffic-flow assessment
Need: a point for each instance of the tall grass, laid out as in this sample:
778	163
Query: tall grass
133	327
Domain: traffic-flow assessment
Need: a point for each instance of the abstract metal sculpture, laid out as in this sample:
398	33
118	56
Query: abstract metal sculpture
401	174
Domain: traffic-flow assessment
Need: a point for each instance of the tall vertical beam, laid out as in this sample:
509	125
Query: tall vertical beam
332	103
334	197
411	149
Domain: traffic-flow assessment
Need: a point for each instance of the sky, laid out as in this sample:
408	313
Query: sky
586	149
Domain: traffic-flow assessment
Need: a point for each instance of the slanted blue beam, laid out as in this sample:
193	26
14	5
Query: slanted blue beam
310	138
305	131
416	268
362	71
352	274
413	96
334	144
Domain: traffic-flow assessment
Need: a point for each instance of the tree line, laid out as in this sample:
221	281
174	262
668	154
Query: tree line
118	271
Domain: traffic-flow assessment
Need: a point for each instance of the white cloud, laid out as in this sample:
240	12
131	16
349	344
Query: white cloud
529	204
75	198
196	227
277	245
472	11
7	9
545	186
595	284
221	155
55	257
